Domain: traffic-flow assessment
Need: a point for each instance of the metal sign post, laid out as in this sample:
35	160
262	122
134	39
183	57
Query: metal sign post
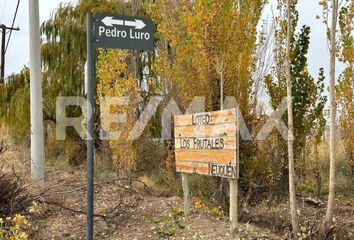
90	143
108	31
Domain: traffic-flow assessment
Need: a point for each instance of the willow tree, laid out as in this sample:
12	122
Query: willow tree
64	49
64	53
15	105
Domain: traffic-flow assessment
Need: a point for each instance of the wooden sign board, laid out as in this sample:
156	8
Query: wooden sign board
205	143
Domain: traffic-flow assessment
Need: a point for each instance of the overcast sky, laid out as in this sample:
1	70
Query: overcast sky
17	54
18	51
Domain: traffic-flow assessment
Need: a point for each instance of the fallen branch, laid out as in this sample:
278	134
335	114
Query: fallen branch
73	210
314	201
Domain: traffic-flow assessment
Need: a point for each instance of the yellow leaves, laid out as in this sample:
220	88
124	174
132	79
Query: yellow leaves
323	3
201	33
345	96
14	228
35	208
116	81
19	220
214	211
200	204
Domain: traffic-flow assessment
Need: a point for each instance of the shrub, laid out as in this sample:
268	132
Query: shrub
15	228
151	155
13	195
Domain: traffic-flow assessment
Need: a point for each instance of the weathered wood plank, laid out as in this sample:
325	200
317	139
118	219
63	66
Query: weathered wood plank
206	118
214	156
189	167
226	129
211	169
206	143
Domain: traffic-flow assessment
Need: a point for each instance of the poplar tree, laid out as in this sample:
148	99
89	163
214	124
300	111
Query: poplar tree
328	220
292	194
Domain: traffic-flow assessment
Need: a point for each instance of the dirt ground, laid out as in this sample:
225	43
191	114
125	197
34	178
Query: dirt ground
128	209
132	209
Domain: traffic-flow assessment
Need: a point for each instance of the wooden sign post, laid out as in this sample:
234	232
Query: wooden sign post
207	143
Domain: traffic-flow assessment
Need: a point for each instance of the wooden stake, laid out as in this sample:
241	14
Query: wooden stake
233	183
186	194
233	205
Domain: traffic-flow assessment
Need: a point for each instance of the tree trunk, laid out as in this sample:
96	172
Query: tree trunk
292	195
332	132
318	171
